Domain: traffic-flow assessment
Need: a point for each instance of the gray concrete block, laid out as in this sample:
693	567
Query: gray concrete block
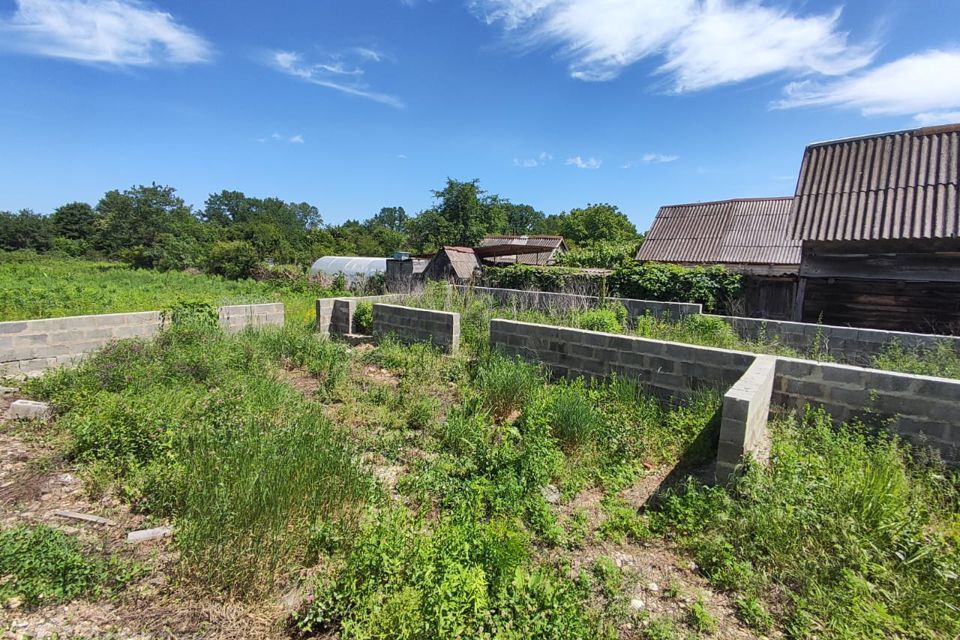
29	410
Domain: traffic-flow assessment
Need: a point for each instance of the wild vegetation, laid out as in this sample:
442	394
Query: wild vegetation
418	495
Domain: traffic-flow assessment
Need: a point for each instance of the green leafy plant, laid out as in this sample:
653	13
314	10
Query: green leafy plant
42	565
363	318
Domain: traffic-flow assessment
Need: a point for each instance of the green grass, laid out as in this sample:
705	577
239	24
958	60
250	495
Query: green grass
46	286
860	538
40	565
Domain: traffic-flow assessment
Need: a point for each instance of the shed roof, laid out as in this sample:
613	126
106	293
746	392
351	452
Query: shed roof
463	260
752	231
551	244
887	186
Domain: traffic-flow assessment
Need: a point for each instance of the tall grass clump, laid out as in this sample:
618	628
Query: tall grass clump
195	426
505	384
858	535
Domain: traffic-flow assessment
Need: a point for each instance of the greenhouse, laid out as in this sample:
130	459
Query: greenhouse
353	269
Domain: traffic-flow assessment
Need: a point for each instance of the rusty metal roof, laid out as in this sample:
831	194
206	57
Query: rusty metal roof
550	244
741	231
888	186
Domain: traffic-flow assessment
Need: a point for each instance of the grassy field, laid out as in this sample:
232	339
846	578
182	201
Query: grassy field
408	494
477	310
45	286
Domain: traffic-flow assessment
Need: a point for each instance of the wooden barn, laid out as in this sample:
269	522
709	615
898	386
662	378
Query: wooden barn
879	221
750	236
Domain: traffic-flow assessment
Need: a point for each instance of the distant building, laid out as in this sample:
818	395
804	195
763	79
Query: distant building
552	247
879	219
750	236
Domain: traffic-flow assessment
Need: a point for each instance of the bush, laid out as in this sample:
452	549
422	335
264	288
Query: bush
468	577
610	318
42	565
363	318
234	260
713	287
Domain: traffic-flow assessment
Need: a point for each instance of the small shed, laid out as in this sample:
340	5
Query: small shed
750	236
452	263
549	248
879	219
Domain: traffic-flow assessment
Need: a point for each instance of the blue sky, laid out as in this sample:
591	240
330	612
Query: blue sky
356	104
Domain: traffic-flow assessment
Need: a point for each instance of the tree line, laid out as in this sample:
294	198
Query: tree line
152	227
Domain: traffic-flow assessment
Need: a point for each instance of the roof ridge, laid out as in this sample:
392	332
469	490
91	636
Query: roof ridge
726	201
918	131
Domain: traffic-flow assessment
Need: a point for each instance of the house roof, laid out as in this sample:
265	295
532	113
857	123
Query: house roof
888	186
551	246
750	231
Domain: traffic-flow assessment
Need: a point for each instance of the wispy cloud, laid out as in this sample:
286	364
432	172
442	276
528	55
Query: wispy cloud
699	43
530	163
402	156
279	137
937	117
115	32
651	158
335	73
581	163
926	85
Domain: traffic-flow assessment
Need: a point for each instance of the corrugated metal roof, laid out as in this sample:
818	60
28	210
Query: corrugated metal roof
552	244
888	186
741	231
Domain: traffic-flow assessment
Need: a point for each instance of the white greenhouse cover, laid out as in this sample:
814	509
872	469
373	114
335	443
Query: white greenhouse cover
351	268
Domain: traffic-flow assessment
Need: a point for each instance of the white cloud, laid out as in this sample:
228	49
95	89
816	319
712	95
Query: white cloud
278	137
402	156
331	74
700	43
728	43
118	32
937	117
658	158
580	163
530	163
926	83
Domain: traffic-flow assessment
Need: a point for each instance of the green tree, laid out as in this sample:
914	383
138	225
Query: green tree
392	218
75	221
462	216
135	219
597	223
25	230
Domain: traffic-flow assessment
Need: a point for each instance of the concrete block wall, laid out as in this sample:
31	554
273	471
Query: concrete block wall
547	301
923	409
666	368
235	317
28	347
409	324
743	428
335	315
851	345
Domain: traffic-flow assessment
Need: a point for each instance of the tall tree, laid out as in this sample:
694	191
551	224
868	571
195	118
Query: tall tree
25	230
462	216
597	223
75	220
138	216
